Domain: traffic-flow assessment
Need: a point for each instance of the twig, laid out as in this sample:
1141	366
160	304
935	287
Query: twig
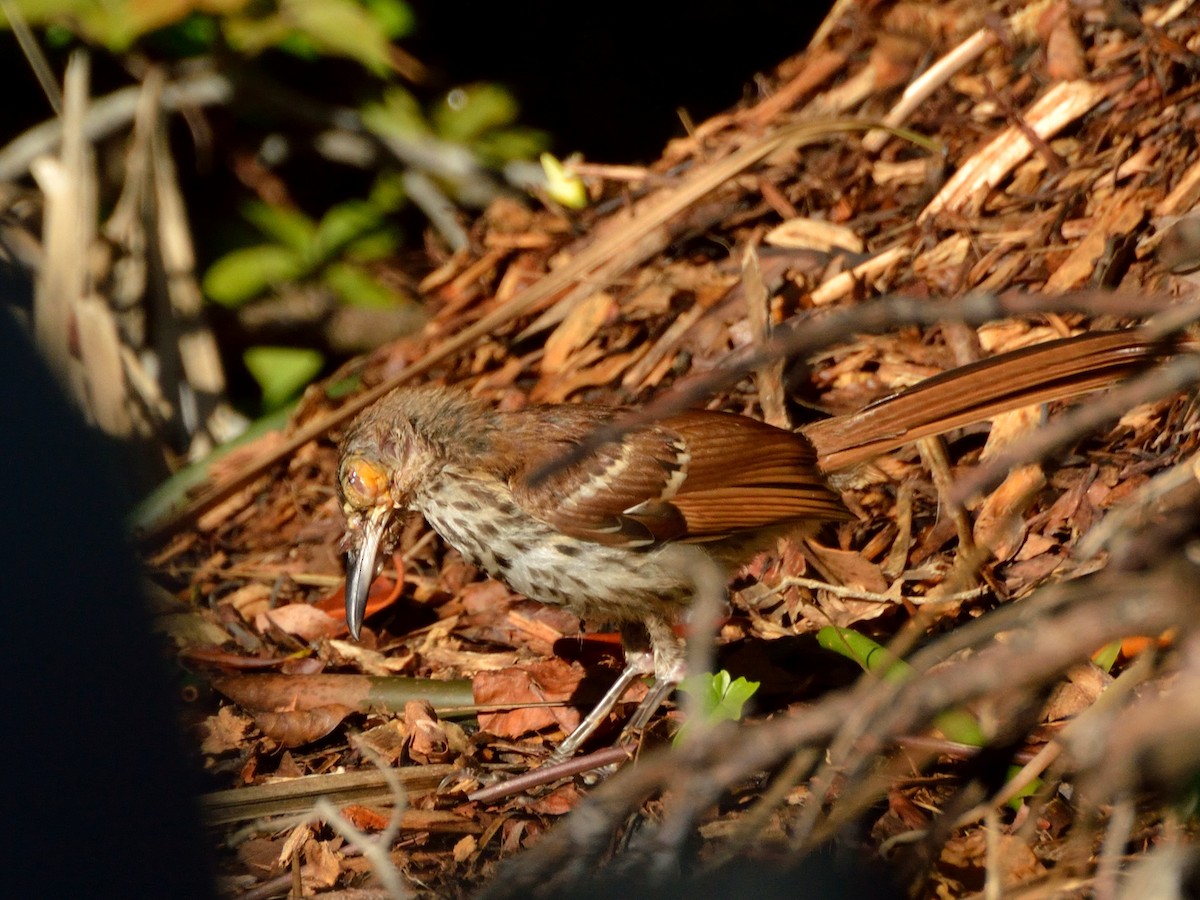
108	114
537	777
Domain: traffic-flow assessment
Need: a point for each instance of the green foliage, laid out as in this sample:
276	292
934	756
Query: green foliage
459	141
479	118
361	31
331	251
244	274
282	371
397	114
467	113
722	699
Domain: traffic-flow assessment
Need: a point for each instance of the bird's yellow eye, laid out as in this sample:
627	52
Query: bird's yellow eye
364	484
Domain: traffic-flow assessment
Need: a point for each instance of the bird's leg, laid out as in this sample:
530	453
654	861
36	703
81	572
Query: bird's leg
669	670
640	660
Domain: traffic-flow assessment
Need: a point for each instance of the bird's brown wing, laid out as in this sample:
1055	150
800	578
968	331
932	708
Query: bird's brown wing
697	476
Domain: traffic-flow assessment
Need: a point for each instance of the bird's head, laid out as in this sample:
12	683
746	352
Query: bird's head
394	449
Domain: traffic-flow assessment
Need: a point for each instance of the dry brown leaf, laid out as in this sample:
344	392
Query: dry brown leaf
814	234
250	600
465	848
1064	51
293	729
428	742
300	619
574	332
364	818
386	740
848	567
1000	525
558	802
224	732
551	679
322	865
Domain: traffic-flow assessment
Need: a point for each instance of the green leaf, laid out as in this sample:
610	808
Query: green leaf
465	113
561	185
721	698
345	223
282	372
395	17
387	193
287	226
1018	799
1106	656
344	28
343	387
254	35
358	287
398	115
960	725
370	247
243	274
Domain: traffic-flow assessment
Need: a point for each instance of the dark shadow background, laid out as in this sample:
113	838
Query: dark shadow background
607	78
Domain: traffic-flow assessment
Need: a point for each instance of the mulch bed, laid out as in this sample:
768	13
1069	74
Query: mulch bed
1058	155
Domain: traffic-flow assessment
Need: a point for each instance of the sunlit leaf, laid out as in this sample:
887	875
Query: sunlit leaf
345	223
342	27
253	35
563	187
722	699
1106	656
395	17
397	115
244	274
282	372
288	226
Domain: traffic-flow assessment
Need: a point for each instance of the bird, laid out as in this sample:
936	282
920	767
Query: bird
620	534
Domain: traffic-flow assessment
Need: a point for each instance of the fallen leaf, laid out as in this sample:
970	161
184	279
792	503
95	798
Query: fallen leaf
224	732
550	679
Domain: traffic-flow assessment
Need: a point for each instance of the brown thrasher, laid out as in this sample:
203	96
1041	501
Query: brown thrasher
616	536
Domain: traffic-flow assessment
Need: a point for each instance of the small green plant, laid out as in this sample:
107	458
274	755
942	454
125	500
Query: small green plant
334	251
722	698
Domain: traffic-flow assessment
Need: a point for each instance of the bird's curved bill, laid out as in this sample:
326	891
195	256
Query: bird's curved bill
360	565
